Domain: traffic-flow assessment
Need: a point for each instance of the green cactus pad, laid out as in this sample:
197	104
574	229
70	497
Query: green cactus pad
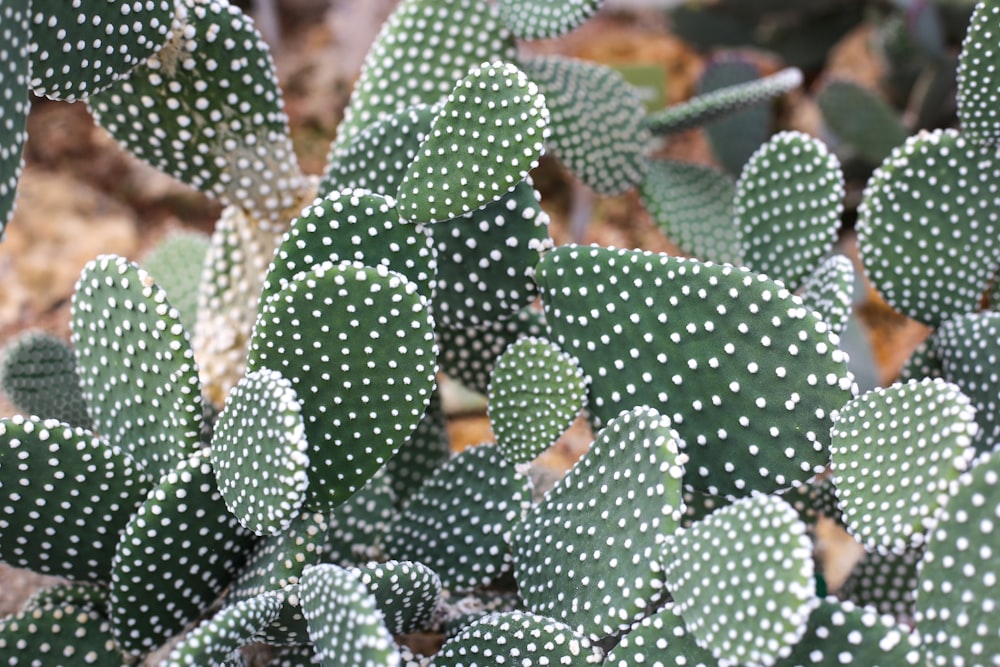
259	452
468	355
788	203
924	361
896	454
977	77
747	375
487	136
357	343
378	157
298	656
458	612
474	499
586	555
861	119
735	137
344	621
60	636
427	448
829	291
357	226
693	206
407	593
217	639
421	51
541	19
536	393
486	259
78	49
660	640
958	583
59	480
14	101
92	597
38	373
135	363
722	102
356	526
178	552
520	638
968	347
841	633
597	117
885	582
929	258
207	110
743	580
174	264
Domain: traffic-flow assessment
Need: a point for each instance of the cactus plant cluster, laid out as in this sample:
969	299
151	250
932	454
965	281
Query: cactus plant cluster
277	484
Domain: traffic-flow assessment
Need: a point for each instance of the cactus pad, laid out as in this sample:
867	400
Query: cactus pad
63	636
736	136
541	19
660	640
217	639
14	101
885	582
38	373
978	83
427	448
829	291
586	555
173	263
407	593
861	119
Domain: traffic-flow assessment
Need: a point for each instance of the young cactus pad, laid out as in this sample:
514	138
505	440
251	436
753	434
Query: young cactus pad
747	375
829	291
38	373
14	101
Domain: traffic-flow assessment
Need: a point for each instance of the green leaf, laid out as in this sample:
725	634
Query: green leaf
536	393
78	49
358	345
38	373
207	110
958	583
259	453
929	258
217	639
57	480
886	582
693	206
977	77
541	19
735	137
586	555
861	119
344	621
177	554
174	263
596	122
487	136
747	375
59	636
407	593
829	291
520	638
896	454
789	199
743	580
475	499
660	640
14	101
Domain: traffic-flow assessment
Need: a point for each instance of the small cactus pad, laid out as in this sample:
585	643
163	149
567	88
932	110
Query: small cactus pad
174	263
735	137
38	373
896	454
829	291
59	480
958	578
747	375
427	448
517	638
693	206
929	258
597	117
421	51
586	555
861	119
978	82
217	639
358	345
80	48
841	633
475	499
487	136
357	226
259	452
207	110
14	101
178	552
407	593
789	199
135	362
344	621
743	580
536	392
486	259
541	19
886	582
660	640
58	636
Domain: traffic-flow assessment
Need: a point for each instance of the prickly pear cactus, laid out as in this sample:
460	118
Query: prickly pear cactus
14	101
38	373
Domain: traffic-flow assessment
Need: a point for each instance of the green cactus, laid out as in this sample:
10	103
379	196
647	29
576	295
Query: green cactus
861	119
38	373
735	137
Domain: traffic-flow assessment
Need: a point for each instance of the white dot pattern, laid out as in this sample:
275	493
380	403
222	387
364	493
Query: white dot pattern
175	264
14	101
216	640
356	526
55	635
406	593
977	78
541	19
886	582
829	291
660	640
38	374
427	448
